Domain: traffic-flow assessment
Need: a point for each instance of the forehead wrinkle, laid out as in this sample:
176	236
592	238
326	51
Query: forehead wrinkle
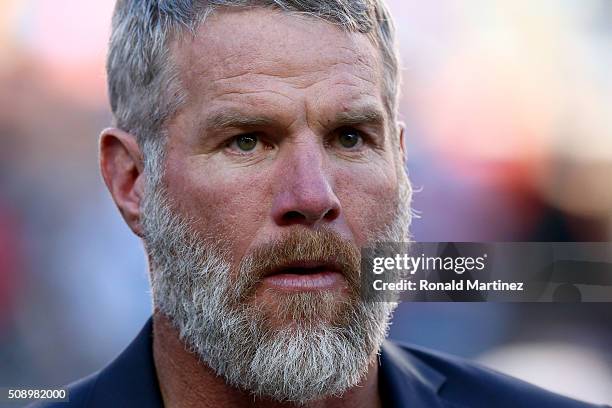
258	78
220	59
230	94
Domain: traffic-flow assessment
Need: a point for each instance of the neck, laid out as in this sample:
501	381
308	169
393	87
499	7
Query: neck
185	381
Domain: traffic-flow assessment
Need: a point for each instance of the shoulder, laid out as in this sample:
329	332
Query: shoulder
467	384
128	381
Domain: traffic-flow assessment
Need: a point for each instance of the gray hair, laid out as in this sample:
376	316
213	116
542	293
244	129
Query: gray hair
143	83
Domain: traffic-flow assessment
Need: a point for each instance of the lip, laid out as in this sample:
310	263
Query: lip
305	276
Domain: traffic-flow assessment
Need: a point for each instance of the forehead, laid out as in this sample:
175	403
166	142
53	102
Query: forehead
245	50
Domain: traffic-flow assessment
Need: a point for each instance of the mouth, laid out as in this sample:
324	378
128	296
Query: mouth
305	276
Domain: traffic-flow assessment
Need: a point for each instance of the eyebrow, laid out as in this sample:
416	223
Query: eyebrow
233	119
365	115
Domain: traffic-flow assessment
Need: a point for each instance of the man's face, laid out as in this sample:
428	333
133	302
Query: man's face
277	170
283	129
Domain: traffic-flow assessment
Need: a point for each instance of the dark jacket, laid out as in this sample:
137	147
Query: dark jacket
409	377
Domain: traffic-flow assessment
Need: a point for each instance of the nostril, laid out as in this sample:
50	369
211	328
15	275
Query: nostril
299	217
331	214
293	216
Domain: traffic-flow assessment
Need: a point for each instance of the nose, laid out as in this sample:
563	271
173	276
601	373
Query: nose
305	195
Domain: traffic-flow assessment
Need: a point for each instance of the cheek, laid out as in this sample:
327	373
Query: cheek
227	206
368	195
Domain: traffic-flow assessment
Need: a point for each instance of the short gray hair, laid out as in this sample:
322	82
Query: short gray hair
143	83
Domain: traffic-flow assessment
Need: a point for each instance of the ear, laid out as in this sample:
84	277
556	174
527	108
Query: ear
121	164
402	143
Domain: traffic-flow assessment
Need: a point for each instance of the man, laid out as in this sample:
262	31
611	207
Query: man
256	150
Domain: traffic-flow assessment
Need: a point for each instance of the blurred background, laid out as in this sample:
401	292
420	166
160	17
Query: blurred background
508	109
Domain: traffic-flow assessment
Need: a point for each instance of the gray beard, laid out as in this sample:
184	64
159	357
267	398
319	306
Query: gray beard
306	361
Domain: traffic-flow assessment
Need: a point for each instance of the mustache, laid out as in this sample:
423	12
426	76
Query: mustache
323	246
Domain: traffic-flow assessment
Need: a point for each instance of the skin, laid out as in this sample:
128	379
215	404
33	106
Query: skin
295	83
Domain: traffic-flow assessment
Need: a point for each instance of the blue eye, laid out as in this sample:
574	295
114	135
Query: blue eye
349	138
246	143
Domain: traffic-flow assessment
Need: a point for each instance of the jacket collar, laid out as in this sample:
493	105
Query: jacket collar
406	381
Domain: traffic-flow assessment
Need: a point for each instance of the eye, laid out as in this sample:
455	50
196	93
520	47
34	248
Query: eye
349	138
245	143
